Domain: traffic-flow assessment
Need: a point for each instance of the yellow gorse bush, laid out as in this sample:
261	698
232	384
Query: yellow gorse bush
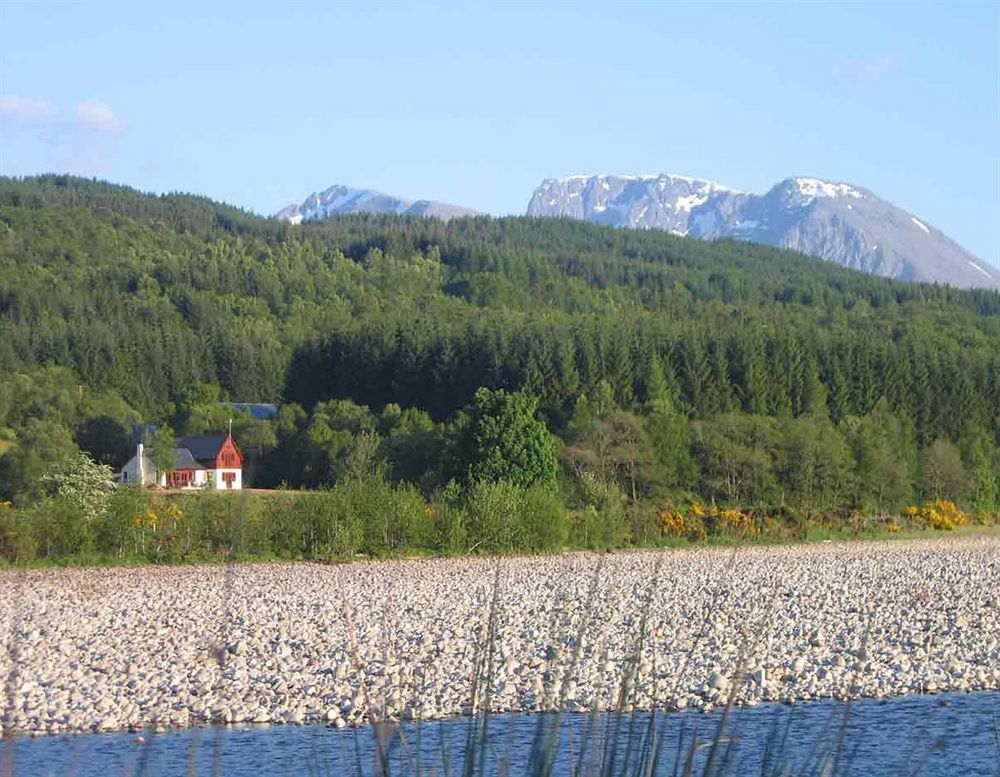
146	520
151	518
942	514
671	521
737	522
674	524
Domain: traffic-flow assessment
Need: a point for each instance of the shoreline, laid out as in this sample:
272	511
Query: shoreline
109	649
943	698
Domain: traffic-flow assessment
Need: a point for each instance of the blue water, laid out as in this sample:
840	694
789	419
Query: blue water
940	736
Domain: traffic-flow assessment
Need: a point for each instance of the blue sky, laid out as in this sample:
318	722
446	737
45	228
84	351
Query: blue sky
261	103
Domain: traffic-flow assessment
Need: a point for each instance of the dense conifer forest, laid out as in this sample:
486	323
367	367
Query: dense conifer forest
665	370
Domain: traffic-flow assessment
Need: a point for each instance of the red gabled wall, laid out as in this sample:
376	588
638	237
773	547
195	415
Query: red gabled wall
227	450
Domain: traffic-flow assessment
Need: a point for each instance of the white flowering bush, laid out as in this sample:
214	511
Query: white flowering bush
83	484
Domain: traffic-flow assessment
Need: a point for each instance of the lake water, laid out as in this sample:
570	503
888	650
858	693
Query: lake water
943	736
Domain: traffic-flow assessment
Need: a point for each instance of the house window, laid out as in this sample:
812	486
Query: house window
179	479
229	478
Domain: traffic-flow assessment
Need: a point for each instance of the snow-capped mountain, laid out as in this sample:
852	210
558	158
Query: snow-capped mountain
835	221
345	199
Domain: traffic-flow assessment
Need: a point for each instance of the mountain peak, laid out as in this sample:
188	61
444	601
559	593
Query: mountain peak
817	187
662	178
831	220
339	199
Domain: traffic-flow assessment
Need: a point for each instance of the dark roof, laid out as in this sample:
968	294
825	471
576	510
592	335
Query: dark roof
262	411
184	460
203	447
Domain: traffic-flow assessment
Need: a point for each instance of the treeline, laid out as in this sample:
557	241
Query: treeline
666	370
942	387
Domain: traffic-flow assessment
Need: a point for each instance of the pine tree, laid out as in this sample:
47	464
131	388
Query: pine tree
669	432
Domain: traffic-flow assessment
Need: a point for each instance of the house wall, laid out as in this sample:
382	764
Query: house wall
129	474
218	481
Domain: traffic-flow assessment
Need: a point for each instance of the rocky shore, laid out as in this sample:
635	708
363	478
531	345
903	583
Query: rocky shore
110	649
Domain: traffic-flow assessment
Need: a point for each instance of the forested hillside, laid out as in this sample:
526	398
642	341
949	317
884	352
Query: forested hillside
665	367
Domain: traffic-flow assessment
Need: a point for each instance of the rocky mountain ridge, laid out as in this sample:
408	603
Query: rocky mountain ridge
346	199
831	220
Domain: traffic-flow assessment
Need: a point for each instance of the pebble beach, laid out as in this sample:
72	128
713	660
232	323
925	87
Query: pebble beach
289	643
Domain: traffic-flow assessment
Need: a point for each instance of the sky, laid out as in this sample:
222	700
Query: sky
261	103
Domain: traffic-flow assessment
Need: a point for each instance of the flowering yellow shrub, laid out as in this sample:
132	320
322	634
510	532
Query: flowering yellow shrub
146	520
157	528
737	522
943	514
673	523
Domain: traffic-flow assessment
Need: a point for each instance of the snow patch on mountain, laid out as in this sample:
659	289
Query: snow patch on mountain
977	267
814	187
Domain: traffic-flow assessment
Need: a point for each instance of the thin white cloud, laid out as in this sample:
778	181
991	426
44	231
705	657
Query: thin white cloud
35	113
79	139
27	110
869	68
98	116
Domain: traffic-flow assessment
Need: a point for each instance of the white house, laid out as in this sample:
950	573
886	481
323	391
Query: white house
205	461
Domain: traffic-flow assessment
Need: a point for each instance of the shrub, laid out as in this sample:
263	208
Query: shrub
603	522
116	532
941	514
585	528
449	519
390	517
501	516
674	524
316	525
82	484
494	512
17	544
987	518
736	523
544	520
643	523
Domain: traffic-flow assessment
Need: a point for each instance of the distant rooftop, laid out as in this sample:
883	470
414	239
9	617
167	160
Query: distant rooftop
262	411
